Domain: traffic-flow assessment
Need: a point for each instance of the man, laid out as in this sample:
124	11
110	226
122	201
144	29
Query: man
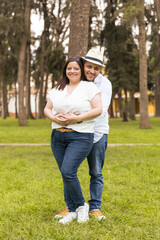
92	67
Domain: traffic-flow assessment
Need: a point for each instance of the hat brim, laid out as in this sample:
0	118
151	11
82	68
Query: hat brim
92	61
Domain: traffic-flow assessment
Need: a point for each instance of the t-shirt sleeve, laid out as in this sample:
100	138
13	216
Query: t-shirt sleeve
92	90
51	94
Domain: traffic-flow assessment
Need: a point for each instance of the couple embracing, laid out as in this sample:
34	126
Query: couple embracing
78	108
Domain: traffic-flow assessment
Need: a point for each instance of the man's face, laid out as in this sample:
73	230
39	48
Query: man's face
91	70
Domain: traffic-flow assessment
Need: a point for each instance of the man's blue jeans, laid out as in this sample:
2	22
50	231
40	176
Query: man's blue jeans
70	149
95	161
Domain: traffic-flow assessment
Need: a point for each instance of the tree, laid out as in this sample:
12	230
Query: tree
157	54
157	3
79	27
3	83
121	53
22	64
3	50
144	118
44	43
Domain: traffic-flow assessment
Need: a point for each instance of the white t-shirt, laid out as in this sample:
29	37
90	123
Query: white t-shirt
101	122
79	101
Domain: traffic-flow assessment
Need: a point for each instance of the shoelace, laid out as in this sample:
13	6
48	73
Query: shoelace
64	211
97	213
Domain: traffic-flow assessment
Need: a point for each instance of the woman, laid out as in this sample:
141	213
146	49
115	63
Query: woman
76	103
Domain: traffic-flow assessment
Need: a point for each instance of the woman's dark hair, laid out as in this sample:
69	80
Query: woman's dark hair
64	79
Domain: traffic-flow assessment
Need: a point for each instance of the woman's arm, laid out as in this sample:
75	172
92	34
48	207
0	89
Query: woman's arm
57	118
93	113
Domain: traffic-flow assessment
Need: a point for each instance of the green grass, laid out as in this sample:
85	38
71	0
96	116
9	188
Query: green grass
129	132
38	131
31	194
31	190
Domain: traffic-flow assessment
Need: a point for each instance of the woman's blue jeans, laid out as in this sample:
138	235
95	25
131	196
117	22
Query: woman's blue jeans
70	149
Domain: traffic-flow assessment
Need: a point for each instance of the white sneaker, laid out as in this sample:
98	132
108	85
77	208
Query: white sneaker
68	218
82	213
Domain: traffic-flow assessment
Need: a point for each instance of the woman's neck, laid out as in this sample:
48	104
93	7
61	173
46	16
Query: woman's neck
73	84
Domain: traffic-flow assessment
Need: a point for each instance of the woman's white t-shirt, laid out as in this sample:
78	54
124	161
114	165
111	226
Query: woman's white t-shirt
78	102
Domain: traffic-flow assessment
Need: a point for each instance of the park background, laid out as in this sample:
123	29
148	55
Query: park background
31	61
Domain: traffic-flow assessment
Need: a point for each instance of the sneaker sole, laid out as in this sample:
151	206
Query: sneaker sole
58	216
80	221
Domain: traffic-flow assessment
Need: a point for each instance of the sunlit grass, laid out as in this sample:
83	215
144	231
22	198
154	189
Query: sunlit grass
38	131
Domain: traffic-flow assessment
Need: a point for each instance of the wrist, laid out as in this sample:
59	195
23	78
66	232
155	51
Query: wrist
53	118
79	119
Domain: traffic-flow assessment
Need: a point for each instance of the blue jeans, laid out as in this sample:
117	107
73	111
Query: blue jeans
95	161
70	149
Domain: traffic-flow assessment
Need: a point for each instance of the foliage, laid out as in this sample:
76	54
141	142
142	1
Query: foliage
121	52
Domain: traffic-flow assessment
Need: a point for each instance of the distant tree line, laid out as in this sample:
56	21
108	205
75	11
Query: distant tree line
71	28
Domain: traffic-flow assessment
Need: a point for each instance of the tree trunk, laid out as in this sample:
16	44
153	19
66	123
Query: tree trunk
144	118
125	108
132	105
21	79
157	55
21	65
5	113
27	80
41	99
3	84
16	110
28	67
79	28
120	103
111	109
157	3
157	95
42	71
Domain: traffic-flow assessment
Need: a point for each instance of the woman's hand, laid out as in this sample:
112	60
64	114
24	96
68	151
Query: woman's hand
71	117
60	119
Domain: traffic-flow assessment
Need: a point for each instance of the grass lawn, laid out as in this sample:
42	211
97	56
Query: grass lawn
38	131
31	190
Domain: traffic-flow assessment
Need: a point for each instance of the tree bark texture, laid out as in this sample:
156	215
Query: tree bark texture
111	108
79	28
120	103
157	54
28	70
125	108
3	86
22	65
157	95
132	99
157	3
41	100
27	80
144	118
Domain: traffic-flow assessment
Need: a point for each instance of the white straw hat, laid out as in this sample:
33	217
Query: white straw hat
94	56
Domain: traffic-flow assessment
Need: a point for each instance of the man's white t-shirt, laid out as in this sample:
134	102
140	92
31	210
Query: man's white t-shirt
78	102
101	122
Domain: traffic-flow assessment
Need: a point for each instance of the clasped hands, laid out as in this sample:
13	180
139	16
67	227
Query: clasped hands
64	119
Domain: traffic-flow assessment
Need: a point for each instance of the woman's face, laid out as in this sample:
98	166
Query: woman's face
73	72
